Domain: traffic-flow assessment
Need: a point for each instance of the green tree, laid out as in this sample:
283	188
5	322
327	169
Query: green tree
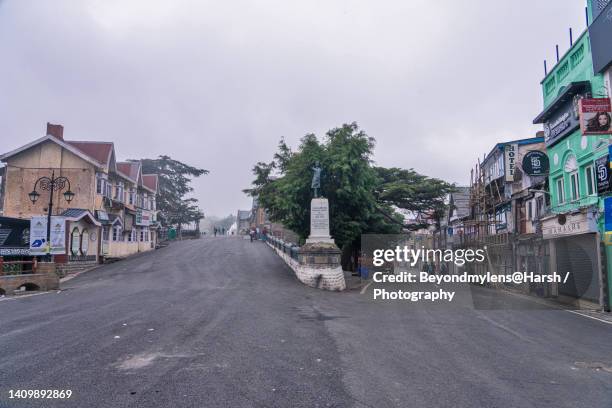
362	198
174	185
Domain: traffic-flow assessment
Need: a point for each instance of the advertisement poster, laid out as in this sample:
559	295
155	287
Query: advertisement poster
38	235
535	163
595	116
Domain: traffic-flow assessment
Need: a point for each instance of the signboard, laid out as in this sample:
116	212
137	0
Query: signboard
143	218
602	174
38	235
510	156
563	122
600	32
568	224
595	116
535	163
608	213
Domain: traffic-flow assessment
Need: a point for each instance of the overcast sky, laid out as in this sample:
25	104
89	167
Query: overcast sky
217	83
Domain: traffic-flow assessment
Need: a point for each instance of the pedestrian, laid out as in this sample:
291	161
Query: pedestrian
252	234
443	268
215	231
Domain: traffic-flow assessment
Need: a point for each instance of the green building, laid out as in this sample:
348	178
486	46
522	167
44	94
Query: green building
578	179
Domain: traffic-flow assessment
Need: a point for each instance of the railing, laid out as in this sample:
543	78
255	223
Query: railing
287	247
17	267
81	258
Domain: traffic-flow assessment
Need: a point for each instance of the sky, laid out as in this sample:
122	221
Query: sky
216	84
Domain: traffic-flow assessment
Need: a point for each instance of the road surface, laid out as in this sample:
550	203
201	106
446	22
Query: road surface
222	322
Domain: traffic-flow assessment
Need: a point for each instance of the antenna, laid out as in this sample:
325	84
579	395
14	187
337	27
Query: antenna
557	48
571	37
586	15
545	69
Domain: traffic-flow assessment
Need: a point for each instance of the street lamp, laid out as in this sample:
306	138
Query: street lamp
51	184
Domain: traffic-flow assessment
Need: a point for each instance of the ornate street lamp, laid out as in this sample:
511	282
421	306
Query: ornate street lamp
51	184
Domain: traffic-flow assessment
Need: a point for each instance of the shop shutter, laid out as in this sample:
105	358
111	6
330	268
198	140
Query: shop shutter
578	255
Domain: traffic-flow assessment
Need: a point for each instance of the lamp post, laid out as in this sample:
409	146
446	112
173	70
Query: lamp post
51	184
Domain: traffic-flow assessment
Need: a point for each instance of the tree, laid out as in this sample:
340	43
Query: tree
362	198
173	187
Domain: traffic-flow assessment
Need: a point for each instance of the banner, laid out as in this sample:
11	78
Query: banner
510	156
595	116
602	173
38	235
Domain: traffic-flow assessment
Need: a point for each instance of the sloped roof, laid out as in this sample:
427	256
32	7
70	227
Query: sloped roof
76	214
131	169
99	151
150	181
48	138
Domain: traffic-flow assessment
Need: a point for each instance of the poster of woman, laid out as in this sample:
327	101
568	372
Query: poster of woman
595	116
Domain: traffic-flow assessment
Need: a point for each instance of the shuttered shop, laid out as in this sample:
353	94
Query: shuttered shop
578	256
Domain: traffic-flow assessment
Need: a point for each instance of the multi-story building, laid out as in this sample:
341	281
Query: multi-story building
113	213
578	177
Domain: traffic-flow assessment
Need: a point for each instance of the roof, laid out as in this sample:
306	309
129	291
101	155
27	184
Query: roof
48	138
520	142
99	151
131	169
568	92
150	181
76	214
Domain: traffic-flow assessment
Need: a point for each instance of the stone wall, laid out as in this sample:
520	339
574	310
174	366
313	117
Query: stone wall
44	279
315	267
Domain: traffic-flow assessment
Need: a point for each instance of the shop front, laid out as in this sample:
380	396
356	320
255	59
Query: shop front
574	247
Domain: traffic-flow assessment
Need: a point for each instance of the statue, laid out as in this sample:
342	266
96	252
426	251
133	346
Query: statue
316	179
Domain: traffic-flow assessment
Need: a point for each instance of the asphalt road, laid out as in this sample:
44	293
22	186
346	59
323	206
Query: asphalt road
222	322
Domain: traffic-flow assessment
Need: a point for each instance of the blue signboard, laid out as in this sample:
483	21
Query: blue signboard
608	213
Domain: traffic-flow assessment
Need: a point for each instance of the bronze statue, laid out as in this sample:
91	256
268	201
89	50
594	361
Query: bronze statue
316	179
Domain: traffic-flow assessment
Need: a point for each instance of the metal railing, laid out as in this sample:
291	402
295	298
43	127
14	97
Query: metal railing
17	267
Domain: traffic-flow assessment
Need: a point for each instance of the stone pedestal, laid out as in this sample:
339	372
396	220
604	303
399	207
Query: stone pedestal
319	259
319	221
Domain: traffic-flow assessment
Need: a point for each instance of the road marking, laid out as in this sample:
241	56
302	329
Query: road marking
365	287
590	317
23	296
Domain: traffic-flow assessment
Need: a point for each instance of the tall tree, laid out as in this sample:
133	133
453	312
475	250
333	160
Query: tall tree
362	198
174	207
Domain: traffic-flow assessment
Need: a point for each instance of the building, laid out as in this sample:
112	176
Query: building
578	178
243	222
113	212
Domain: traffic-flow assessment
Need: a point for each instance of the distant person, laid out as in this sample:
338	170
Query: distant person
599	123
252	234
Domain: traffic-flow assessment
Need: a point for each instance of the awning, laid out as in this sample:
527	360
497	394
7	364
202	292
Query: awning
570	90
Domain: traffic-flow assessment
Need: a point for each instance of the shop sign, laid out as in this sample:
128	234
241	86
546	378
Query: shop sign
38	235
563	122
608	213
510	157
602	174
568	224
143	218
595	116
535	163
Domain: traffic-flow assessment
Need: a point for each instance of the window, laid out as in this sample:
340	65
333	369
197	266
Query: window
142	237
100	184
132	236
131	196
539	206
575	186
75	241
117	236
107	189
560	190
590	180
119	192
105	233
84	242
529	210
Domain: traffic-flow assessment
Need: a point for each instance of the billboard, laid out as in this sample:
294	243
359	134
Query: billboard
602	174
595	116
563	122
38	235
600	32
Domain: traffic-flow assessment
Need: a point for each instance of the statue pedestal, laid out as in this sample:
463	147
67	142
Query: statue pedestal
319	222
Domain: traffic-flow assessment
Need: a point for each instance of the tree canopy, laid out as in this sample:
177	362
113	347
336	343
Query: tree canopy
174	207
362	198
